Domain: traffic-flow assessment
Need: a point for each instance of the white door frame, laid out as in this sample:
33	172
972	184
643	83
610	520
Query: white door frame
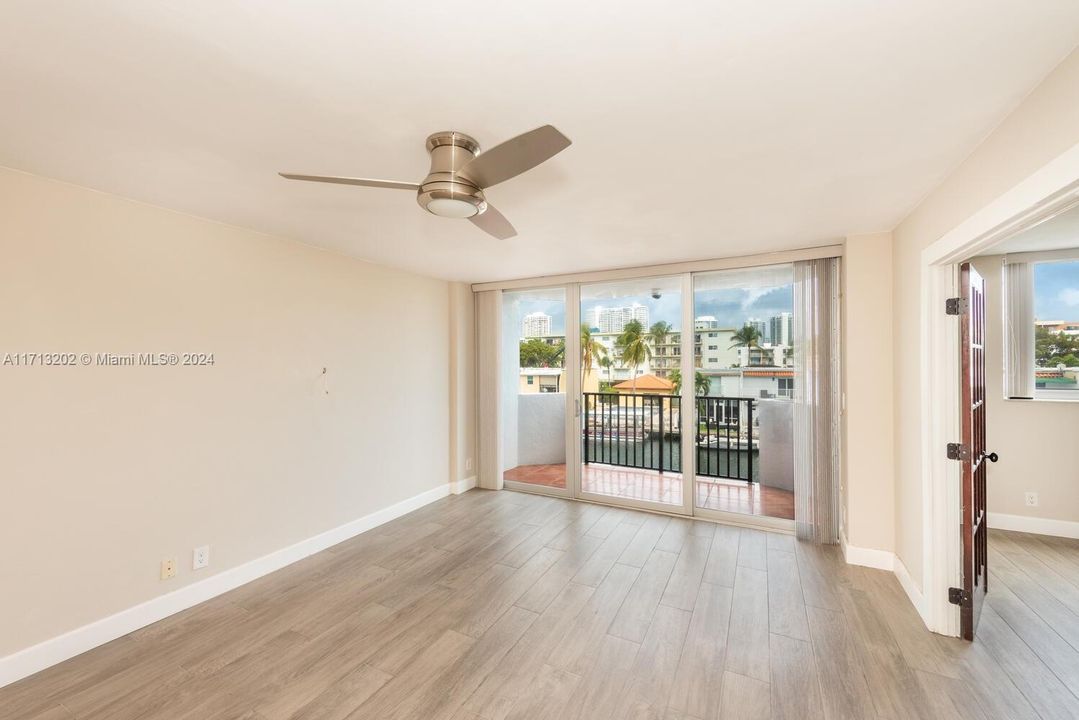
1049	191
572	363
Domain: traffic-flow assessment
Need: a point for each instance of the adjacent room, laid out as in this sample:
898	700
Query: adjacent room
707	361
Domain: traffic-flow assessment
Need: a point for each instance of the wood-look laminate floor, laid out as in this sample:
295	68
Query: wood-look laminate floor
495	605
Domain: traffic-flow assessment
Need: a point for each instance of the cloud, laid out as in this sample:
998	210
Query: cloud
752	295
1069	296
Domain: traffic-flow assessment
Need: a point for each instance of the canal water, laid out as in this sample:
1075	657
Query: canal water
652	454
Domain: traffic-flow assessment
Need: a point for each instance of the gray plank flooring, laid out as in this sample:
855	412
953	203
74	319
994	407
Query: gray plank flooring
491	606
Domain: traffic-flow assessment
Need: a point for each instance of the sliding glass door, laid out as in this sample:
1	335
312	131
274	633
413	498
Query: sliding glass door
744	385
631	415
671	393
534	391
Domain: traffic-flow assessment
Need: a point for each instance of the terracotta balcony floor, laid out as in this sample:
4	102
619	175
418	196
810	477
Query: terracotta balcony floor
621	482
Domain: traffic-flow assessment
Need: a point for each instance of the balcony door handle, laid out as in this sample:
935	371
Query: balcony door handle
992	457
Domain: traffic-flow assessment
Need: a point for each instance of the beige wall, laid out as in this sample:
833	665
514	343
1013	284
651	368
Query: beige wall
869	479
1035	440
107	470
1041	128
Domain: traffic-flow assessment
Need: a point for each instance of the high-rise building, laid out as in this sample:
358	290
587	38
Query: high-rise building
614	319
536	324
760	326
781	329
706	322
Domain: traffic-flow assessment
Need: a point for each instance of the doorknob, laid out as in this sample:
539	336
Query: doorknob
992	457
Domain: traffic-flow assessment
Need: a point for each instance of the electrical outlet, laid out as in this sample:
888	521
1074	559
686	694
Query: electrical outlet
168	569
1032	499
200	557
468	464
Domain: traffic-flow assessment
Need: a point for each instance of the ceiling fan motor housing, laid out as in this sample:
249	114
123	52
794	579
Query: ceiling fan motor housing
444	192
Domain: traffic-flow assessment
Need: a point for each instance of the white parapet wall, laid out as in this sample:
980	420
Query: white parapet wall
541	428
776	442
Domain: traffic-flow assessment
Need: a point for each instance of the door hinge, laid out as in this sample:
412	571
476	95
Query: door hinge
957	596
958	451
955	306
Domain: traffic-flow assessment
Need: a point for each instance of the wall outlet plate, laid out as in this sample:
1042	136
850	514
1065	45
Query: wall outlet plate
200	557
168	569
1032	499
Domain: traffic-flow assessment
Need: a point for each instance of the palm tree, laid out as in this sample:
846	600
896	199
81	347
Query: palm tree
701	384
659	332
676	380
633	347
747	337
592	352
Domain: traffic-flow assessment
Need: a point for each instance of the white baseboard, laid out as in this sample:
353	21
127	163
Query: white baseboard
462	486
885	560
1034	525
916	597
867	557
35	658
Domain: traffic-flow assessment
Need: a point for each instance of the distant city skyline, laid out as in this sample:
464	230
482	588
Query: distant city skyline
536	324
614	319
732	307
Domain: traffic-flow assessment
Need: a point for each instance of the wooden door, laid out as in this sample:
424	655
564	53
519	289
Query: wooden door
972	454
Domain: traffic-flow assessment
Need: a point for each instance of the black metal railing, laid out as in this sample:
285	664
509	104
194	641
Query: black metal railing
645	432
726	446
632	430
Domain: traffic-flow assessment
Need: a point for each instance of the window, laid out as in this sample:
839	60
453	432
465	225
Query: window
1056	330
1041	318
786	387
713	347
531	379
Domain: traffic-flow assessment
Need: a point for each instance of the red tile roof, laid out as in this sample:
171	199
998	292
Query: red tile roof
646	382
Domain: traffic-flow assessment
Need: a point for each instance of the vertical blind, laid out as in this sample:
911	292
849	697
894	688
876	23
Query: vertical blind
816	400
1018	299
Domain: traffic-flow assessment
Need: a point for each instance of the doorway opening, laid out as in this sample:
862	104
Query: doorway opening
950	561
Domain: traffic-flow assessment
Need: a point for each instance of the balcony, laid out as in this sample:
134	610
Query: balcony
631	449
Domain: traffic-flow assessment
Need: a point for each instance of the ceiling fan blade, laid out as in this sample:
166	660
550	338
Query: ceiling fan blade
515	156
494	223
366	182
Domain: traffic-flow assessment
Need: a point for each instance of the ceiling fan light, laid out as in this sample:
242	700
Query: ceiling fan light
452	207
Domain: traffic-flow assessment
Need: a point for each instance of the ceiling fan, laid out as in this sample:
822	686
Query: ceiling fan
460	173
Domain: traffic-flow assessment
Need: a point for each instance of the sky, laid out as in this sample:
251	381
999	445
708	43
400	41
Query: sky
731	307
1056	297
1056	291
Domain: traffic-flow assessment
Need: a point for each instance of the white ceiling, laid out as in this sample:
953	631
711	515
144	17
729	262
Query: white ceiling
1060	232
700	129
